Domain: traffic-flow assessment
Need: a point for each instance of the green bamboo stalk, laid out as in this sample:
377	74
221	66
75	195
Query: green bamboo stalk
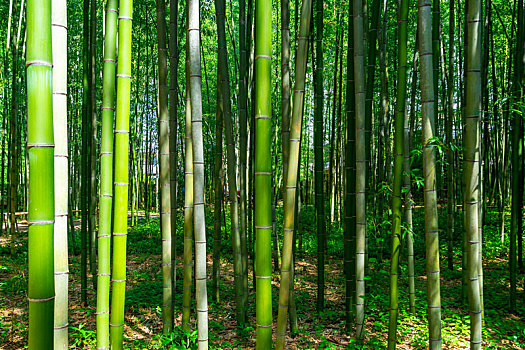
292	175
360	189
449	137
350	223
40	144
436	53
399	145
517	155
120	213
224	81
14	132
198	166
93	143
263	172
188	206
59	34
164	157
243	145
84	161
318	153
285	86
464	255
106	175
409	203
429	174
173	107
370	48
471	168
217	209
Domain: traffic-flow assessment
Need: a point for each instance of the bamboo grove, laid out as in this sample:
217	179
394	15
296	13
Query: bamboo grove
391	130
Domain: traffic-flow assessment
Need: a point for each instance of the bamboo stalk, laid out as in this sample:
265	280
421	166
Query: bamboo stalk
40	144
120	212
292	175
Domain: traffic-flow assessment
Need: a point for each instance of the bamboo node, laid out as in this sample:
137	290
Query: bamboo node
125	18
40	300
39	63
61	327
41	145
41	222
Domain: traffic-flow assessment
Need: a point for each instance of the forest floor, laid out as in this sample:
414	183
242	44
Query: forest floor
502	330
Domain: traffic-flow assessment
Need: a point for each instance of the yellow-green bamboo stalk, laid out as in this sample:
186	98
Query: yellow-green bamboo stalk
120	217
263	173
40	144
106	175
291	177
188	206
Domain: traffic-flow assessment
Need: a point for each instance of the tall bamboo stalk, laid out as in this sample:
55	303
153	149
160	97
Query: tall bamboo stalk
173	108
198	167
263	172
350	223
471	168
517	155
370	49
449	137
120	212
429	175
224	81
360	148
40	144
217	209
106	175
59	34
292	175
243	144
93	145
285	85
318	153
399	145
188	205
164	157
85	153
409	203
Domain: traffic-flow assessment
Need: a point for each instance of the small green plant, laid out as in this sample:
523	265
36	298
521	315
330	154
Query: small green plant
80	337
